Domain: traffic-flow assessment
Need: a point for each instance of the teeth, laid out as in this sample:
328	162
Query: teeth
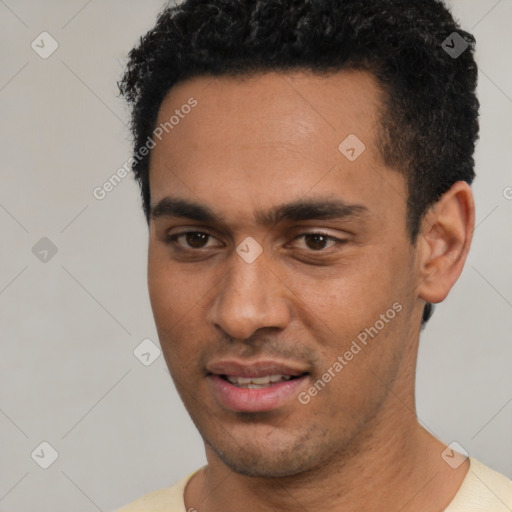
261	380
257	382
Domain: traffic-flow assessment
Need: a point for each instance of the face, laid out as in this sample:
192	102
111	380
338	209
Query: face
280	271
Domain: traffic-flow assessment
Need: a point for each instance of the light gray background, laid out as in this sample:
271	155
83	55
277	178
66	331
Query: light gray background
69	326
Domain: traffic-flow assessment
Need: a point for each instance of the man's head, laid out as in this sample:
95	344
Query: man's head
428	122
346	119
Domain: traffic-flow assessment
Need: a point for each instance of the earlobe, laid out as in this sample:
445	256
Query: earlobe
444	242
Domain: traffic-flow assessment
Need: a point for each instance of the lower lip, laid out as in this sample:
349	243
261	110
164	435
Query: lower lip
255	400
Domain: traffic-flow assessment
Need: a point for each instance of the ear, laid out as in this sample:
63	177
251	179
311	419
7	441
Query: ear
444	241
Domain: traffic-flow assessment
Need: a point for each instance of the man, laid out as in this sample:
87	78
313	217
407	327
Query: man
305	168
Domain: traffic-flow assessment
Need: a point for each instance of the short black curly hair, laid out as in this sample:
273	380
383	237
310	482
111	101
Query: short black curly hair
429	120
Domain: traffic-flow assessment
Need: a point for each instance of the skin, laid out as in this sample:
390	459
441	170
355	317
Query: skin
251	144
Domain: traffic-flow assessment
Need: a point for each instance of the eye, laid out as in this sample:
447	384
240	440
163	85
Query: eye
318	241
193	239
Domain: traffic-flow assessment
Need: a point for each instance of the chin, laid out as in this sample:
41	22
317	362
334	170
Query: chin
275	460
257	465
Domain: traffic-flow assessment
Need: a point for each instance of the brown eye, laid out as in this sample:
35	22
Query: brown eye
193	239
196	240
318	241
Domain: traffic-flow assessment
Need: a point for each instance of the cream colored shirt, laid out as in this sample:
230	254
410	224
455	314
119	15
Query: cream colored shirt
482	490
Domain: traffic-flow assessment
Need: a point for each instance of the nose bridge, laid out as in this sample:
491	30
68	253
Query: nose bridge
249	297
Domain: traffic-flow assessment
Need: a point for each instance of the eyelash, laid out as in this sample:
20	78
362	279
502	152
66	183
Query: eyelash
172	239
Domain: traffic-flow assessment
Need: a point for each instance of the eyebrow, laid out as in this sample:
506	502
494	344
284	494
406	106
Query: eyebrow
300	210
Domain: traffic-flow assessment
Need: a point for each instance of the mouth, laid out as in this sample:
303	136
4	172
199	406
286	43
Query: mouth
259	382
255	386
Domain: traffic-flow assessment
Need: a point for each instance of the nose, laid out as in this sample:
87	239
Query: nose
250	296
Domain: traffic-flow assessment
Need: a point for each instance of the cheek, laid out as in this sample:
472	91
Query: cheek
351	297
360	313
172	291
171	294
178	296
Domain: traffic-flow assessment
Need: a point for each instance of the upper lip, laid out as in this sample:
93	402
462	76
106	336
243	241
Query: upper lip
260	368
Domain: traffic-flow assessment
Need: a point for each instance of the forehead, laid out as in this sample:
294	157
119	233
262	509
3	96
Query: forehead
267	138
262	108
